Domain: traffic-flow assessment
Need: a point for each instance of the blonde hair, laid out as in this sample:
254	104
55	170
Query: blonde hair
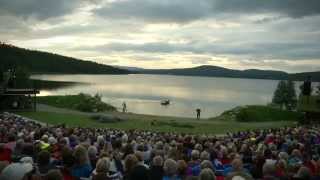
81	155
103	165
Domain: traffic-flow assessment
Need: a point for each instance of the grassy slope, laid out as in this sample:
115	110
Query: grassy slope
67	101
203	126
311	103
259	117
265	113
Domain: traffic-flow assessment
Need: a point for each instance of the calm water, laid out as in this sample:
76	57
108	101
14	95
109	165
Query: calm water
143	93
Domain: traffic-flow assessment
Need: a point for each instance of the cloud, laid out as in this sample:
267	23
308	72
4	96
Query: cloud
156	11
290	8
183	11
39	9
266	50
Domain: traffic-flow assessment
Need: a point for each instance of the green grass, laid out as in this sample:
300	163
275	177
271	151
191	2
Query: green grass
73	102
211	126
256	113
311	104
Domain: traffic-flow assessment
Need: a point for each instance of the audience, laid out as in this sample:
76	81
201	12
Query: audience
30	150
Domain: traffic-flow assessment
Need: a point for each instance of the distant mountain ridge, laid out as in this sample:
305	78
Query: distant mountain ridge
216	71
44	62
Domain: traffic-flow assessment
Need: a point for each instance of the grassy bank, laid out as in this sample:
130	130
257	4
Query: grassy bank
81	102
255	113
163	124
61	111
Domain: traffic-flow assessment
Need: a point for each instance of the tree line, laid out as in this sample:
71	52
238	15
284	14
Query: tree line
43	62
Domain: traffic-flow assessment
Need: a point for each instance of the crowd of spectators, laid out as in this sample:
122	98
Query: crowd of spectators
33	151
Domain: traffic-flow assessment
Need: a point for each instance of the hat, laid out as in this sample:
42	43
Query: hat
16	171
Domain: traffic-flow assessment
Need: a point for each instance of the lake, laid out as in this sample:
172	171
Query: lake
143	93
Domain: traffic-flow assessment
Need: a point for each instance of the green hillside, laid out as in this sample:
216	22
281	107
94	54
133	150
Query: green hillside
43	62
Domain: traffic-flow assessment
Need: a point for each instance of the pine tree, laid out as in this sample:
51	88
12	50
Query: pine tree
285	95
280	94
291	98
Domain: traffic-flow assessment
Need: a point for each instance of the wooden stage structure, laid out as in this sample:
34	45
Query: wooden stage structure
18	99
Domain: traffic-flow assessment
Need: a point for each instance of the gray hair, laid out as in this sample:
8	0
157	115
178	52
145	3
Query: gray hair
207	174
170	167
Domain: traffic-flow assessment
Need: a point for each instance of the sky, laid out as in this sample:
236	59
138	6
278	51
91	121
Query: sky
238	34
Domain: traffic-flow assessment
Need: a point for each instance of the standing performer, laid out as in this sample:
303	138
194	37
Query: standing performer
306	91
198	113
124	107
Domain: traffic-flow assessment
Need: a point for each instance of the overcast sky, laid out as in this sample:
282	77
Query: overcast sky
238	34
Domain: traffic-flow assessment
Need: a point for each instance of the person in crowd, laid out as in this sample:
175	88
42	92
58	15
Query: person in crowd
207	174
82	167
156	169
170	170
102	170
53	175
44	164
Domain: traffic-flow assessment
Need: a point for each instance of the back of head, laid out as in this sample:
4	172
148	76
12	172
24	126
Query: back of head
269	169
207	174
205	156
157	161
103	165
195	154
237	164
81	155
170	167
130	162
182	167
43	158
206	164
54	175
67	157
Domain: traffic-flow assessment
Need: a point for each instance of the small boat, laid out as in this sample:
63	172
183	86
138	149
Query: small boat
165	102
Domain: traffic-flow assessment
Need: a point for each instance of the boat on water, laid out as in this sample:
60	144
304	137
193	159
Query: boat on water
165	102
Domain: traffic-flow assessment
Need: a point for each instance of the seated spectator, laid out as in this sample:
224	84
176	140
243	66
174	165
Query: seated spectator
140	171
102	170
156	169
207	174
170	170
82	167
44	165
129	163
53	175
194	164
238	170
182	169
269	171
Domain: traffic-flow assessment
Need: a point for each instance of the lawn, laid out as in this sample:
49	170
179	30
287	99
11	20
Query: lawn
266	114
169	124
82	102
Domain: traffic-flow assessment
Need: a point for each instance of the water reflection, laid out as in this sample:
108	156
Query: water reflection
143	93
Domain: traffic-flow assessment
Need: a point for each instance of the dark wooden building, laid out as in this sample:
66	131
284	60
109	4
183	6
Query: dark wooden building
16	99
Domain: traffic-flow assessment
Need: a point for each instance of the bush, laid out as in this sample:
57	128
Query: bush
265	113
81	102
106	118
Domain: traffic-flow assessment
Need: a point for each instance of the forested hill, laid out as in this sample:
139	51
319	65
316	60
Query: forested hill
215	71
43	62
